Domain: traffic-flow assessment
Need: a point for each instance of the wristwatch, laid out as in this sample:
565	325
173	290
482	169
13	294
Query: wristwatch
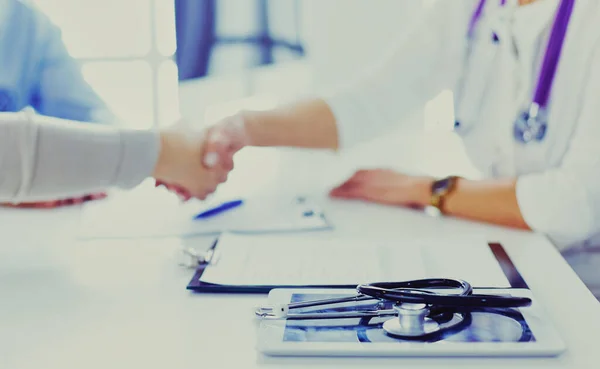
440	189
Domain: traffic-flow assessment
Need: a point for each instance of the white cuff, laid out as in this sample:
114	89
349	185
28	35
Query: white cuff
557	205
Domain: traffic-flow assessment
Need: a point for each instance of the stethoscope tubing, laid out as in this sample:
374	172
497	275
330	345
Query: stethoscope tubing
528	126
413	292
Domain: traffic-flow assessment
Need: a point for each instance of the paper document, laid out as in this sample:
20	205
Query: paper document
308	260
325	259
157	215
467	258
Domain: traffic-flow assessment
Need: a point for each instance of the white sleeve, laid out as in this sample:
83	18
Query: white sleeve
564	202
413	73
44	158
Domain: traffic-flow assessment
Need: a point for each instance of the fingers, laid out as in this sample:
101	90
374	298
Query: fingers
212	147
213	179
349	189
210	181
211	157
352	185
354	192
180	191
183	193
217	152
218	158
223	177
222	142
363	175
185	196
379	185
355	187
226	162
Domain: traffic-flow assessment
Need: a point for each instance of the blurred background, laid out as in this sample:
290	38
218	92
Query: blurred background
154	59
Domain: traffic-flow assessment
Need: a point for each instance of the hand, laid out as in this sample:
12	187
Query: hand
223	140
179	165
183	194
386	187
57	203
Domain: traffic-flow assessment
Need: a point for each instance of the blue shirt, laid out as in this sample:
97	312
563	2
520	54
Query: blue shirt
37	71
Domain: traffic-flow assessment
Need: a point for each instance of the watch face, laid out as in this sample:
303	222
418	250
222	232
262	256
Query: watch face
440	185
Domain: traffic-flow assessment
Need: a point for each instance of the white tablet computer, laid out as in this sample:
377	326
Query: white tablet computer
489	332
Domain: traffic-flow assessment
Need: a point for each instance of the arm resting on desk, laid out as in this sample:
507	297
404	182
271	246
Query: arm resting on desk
562	202
491	201
556	202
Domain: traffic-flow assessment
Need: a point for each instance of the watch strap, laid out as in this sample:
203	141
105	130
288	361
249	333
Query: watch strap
440	189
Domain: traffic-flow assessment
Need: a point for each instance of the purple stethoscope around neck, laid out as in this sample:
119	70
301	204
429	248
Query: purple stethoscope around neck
532	123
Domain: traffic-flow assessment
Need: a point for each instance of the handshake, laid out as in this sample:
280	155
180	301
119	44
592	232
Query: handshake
194	163
191	163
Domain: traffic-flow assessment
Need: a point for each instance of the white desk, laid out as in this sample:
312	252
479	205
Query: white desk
123	304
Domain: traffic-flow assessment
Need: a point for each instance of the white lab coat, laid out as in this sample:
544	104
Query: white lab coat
558	187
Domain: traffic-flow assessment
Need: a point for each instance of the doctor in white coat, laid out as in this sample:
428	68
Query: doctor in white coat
526	80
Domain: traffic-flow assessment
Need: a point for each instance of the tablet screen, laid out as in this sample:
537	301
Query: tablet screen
485	325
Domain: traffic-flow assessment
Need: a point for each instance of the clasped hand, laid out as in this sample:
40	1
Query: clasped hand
194	163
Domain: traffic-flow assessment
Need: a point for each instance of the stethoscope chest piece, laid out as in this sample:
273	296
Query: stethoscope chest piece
412	321
531	125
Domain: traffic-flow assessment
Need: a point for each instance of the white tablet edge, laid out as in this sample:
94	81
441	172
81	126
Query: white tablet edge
548	342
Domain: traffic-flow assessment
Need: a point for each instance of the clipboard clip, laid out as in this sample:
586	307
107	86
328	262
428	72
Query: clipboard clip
191	258
310	210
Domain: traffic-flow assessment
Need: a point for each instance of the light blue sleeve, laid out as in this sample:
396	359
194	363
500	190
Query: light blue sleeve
60	89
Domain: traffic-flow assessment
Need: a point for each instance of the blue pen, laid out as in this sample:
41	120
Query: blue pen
219	209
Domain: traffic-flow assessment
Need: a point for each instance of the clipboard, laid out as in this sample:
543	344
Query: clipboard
506	264
212	256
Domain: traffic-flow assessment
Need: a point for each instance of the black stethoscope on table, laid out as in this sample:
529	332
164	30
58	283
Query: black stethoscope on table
532	123
476	325
421	308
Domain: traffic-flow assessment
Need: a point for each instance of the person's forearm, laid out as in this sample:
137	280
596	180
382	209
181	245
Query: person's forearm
490	201
42	158
305	124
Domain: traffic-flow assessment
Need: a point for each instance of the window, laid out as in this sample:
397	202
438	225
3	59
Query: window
126	53
224	36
